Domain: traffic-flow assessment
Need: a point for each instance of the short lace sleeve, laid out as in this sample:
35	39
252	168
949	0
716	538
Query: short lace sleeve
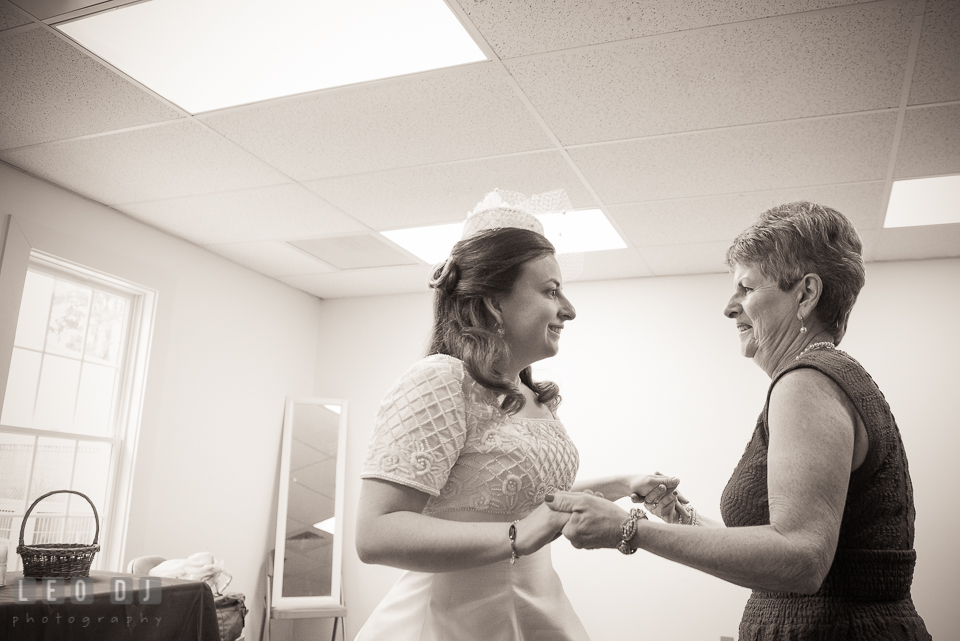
421	427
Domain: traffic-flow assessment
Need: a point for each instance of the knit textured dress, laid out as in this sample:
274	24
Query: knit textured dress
866	593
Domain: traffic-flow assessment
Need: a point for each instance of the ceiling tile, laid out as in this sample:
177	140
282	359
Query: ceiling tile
910	243
808	65
613	263
741	159
10	17
364	282
692	258
272	258
166	161
936	75
930	142
276	212
455	114
716	218
360	251
50	91
416	196
523	28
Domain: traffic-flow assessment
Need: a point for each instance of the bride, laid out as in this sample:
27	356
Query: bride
466	446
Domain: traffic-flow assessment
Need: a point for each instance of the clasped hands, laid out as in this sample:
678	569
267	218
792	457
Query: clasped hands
595	522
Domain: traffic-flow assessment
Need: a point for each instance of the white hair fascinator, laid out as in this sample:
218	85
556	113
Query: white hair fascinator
501	209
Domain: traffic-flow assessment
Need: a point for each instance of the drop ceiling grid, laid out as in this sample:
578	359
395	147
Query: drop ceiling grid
368	282
51	91
930	145
613	264
272	258
413	121
181	158
274	212
936	77
744	159
688	258
521	29
741	74
631	255
394	159
11	17
912	243
721	217
581	180
435	194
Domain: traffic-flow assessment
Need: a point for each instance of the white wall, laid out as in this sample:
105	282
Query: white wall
652	380
228	346
650	372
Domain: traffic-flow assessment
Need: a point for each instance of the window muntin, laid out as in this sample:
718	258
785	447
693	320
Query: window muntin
64	415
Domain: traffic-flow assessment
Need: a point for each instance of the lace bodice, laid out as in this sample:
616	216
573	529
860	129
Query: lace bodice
442	433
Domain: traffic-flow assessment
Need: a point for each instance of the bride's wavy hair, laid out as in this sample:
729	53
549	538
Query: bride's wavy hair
486	265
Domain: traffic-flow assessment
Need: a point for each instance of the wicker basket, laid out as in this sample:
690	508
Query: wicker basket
62	560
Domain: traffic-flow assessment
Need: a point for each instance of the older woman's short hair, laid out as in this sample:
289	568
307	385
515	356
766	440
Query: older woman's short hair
791	240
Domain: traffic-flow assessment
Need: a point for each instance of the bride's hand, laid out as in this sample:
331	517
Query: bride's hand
657	493
538	528
671	509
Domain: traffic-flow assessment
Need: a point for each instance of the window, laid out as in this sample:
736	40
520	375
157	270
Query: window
71	408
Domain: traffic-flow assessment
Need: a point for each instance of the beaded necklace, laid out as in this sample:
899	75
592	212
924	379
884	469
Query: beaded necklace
821	345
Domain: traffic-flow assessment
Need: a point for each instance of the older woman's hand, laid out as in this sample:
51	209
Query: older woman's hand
539	528
594	521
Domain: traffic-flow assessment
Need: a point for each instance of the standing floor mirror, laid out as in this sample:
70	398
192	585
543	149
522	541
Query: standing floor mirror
306	576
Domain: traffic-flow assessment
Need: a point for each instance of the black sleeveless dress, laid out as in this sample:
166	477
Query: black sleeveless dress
866	593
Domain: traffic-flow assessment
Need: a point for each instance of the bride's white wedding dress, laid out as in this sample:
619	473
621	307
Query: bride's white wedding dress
442	433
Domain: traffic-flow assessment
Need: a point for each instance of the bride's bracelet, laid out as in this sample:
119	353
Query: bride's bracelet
694	516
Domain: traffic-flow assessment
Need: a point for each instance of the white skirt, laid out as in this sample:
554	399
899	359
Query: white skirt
498	602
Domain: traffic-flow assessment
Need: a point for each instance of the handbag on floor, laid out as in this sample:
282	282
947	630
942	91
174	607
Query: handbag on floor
231	612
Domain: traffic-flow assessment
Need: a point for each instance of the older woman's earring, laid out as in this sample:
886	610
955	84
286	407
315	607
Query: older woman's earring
499	330
803	329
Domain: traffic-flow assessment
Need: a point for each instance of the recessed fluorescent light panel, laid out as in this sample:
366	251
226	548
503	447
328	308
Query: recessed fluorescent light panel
924	201
580	231
330	525
211	54
429	244
573	231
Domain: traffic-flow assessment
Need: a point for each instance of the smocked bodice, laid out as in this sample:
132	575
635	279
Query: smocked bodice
442	433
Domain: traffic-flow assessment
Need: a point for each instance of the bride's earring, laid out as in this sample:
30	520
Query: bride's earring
803	329
500	331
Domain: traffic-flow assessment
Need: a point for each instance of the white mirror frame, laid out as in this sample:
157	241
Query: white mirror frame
333	601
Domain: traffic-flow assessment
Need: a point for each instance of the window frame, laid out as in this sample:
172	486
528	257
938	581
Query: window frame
17	256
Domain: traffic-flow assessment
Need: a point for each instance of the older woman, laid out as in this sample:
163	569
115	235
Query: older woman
819	512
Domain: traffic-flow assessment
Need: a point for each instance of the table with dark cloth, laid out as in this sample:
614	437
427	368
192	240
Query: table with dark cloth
185	612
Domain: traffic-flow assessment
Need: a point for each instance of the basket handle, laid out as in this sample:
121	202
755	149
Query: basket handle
96	517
